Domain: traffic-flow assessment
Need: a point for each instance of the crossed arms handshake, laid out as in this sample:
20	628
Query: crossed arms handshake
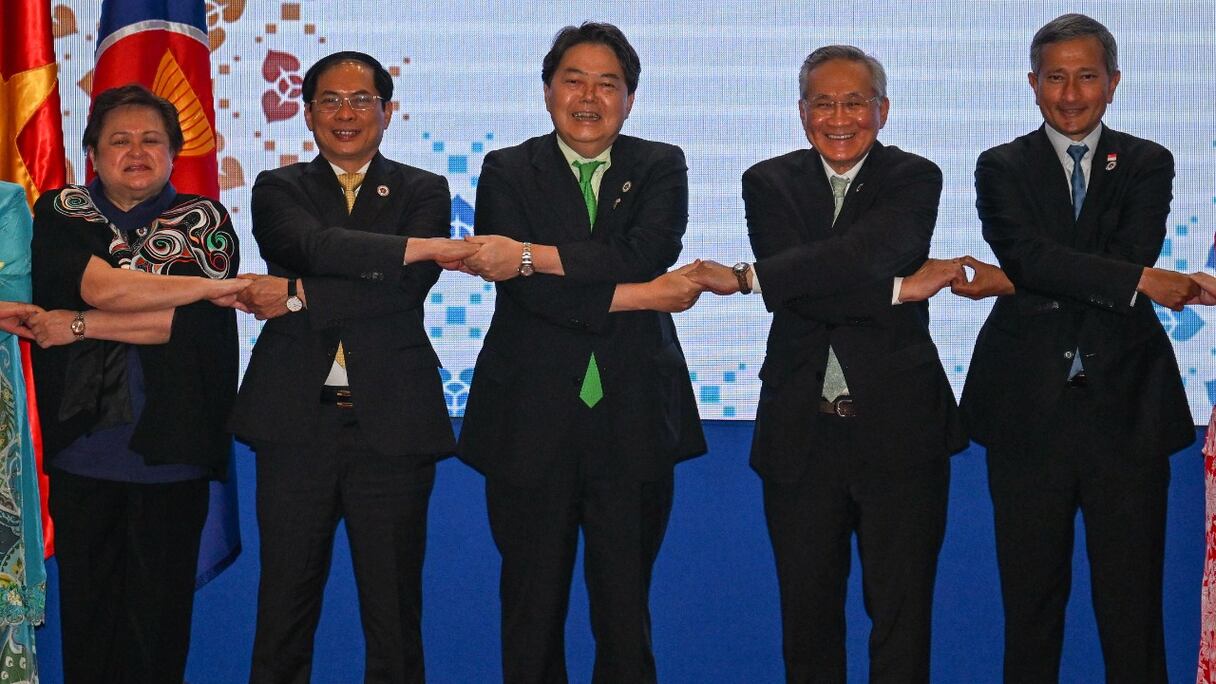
1170	289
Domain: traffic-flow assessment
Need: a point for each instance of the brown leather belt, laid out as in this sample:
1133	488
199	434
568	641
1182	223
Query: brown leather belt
842	407
338	396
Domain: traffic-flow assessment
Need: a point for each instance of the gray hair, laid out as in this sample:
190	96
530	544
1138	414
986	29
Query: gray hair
1067	27
878	76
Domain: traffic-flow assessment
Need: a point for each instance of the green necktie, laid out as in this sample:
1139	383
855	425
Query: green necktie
833	375
592	391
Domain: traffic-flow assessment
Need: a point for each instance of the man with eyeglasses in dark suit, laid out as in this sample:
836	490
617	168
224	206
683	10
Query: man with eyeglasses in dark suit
342	401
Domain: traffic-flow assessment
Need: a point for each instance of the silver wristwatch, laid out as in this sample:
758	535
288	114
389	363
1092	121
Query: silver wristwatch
525	261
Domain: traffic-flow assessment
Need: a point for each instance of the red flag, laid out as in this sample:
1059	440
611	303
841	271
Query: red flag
162	44
31	148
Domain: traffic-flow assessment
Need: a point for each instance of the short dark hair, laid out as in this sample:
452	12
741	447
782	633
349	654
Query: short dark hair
380	76
593	32
132	95
827	53
1067	27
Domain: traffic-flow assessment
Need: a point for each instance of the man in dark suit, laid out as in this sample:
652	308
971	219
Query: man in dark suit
1073	386
581	403
342	400
856	421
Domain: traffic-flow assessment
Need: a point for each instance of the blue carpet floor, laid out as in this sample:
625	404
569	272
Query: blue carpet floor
714	598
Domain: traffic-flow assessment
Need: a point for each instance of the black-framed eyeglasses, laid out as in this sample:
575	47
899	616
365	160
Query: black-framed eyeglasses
851	106
360	102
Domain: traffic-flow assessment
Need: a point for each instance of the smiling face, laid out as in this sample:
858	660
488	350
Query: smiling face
347	137
842	137
1072	87
588	99
132	155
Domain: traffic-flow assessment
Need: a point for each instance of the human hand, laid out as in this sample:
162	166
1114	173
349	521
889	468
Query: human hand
930	278
13	317
225	292
987	280
1170	289
265	296
714	277
674	291
497	259
1207	292
449	254
52	328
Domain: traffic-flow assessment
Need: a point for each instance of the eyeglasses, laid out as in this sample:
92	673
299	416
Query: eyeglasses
360	102
851	106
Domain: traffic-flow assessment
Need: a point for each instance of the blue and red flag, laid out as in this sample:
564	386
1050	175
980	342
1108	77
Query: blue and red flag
162	44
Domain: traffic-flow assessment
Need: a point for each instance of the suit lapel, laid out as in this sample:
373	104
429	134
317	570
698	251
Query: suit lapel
616	187
859	192
1050	184
814	195
322	186
1101	181
556	183
374	197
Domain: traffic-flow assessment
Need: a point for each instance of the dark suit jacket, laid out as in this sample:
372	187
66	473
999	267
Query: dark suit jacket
526	383
358	291
1075	280
831	285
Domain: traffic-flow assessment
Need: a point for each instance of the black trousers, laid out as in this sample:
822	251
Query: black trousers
536	529
899	518
127	555
302	493
1122	499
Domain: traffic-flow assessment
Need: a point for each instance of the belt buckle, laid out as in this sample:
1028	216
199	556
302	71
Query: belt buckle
843	406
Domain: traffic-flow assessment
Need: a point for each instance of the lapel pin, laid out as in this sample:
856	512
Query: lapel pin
858	188
382	190
617	203
1112	160
626	186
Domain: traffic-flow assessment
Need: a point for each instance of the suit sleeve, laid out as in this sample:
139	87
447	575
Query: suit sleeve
350	274
1037	263
851	272
581	299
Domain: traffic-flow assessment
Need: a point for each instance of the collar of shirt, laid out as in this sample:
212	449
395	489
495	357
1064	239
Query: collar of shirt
850	174
572	156
140	216
1061	142
338	171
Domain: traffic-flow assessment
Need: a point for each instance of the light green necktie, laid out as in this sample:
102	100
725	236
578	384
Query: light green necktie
592	391
833	376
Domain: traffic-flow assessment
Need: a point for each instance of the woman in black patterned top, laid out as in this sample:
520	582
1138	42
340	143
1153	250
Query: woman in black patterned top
136	372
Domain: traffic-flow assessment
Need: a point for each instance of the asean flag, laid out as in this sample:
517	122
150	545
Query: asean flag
162	44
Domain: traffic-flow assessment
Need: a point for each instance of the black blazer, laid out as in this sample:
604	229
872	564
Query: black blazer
358	292
831	285
1075	280
526	382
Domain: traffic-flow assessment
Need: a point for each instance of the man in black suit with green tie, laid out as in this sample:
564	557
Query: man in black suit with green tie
581	403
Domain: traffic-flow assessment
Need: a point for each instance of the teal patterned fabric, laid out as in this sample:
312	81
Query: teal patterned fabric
22	573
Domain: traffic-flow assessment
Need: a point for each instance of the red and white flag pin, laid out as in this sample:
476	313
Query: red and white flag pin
1112	160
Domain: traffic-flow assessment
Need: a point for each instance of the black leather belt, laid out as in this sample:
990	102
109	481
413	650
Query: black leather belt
338	396
843	407
1078	380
